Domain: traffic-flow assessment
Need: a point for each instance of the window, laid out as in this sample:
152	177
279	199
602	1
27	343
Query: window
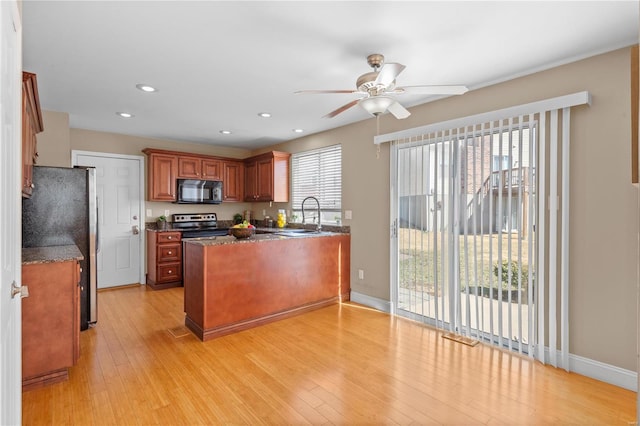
317	173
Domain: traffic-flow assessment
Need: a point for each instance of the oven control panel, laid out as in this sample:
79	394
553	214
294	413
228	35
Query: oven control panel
194	217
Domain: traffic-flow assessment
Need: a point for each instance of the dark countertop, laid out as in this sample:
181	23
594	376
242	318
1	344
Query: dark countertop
256	238
35	255
152	226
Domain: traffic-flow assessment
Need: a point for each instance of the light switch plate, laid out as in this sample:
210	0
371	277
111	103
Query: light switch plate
348	214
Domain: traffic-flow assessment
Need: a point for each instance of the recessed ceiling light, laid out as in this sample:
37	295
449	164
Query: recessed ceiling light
298	130
264	114
124	114
225	132
146	88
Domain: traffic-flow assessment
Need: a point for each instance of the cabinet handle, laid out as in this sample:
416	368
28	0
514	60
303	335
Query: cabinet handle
169	237
22	291
170	271
169	253
33	185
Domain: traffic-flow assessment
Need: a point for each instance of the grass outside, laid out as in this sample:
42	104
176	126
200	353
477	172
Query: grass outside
424	256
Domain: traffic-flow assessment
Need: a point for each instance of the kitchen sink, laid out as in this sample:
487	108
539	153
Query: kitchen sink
296	232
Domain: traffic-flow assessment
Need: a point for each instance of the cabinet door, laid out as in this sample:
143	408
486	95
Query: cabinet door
250	181
162	177
31	125
264	185
50	318
211	170
189	168
233	181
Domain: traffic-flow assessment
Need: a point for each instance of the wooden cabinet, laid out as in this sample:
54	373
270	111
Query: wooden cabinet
31	126
199	168
219	299
161	178
266	177
635	110
50	322
164	259
233	181
261	178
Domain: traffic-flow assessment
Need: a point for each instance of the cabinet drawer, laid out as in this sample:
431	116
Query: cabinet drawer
169	253
169	272
168	237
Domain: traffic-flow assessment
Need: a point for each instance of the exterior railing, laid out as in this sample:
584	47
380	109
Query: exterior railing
510	178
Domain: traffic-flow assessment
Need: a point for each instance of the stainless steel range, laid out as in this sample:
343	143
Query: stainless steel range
198	225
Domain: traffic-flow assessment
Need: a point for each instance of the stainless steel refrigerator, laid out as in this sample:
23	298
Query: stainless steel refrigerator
63	210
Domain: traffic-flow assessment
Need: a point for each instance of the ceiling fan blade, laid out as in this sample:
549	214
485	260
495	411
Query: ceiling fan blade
324	91
388	73
343	108
431	90
398	111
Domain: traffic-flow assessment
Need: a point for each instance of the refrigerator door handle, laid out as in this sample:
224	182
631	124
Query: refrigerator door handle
97	232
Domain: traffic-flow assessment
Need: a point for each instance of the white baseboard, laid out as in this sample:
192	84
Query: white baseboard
611	374
370	301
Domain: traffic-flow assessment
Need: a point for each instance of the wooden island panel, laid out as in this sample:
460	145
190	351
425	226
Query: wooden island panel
235	286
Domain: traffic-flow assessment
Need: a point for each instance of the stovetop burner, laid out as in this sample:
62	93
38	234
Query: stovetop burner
197	225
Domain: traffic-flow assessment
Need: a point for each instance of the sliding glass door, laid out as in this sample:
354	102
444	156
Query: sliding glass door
463	209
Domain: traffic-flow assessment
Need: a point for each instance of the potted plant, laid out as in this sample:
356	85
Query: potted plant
162	222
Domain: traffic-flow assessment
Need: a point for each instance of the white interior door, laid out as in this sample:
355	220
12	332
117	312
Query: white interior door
10	214
118	186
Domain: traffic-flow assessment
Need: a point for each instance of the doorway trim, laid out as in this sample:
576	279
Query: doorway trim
141	202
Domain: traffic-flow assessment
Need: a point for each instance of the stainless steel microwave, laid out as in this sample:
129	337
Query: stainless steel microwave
194	191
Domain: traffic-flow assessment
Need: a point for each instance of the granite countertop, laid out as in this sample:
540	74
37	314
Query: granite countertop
35	255
256	238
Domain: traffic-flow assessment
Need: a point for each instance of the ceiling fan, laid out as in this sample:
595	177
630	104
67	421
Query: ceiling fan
376	86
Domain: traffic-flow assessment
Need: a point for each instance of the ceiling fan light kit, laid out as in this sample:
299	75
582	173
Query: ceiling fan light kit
376	105
378	84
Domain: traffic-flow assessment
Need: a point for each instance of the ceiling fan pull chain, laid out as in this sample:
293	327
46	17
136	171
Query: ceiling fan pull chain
378	134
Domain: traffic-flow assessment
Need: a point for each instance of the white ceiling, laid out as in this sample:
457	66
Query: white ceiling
218	64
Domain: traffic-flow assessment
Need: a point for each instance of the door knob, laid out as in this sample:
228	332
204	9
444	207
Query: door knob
23	291
135	230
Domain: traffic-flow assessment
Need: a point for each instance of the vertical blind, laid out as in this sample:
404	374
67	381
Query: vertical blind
317	173
457	220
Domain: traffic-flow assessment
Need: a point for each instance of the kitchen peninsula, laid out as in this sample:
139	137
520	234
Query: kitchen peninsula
231	285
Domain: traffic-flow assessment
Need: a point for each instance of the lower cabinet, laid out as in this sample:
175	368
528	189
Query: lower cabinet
164	259
50	322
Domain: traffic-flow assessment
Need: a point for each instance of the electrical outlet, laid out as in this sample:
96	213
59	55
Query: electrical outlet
149	213
264	212
348	214
361	274
166	213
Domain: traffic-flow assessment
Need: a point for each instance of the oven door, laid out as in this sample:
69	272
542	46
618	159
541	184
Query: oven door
204	233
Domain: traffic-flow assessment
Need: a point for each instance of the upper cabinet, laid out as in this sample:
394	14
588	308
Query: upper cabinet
199	168
232	180
266	177
635	97
161	179
165	167
31	126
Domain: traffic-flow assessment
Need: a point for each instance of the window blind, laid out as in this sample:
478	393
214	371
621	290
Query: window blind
318	173
458	226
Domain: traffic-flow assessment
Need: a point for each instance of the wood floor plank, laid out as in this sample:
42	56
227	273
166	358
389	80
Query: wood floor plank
344	364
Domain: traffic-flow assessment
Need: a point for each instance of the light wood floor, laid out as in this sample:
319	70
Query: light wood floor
339	365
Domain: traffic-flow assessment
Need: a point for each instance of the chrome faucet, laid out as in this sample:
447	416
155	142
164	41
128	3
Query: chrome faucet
319	227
